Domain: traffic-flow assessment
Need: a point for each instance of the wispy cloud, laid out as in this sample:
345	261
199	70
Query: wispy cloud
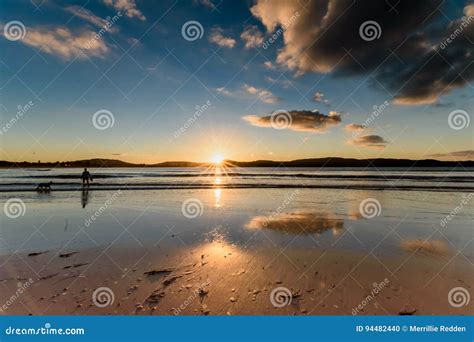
128	6
299	120
217	37
283	82
252	37
369	141
270	65
320	98
353	127
62	42
264	95
206	3
223	91
248	91
90	17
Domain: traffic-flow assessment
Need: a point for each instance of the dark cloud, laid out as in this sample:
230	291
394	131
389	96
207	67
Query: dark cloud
408	58
370	141
297	120
457	155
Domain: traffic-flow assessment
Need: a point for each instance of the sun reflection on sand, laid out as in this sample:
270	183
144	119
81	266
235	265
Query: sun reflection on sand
219	168
217	197
298	223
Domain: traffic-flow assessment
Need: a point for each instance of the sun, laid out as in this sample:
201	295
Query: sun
217	159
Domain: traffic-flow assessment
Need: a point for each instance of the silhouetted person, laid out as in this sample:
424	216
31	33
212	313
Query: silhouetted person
86	176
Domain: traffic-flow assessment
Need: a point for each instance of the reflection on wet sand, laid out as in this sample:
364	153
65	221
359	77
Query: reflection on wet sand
211	265
298	223
85	197
217	198
433	247
354	215
220	278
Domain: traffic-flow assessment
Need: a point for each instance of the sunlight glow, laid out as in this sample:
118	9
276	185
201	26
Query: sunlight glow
217	198
217	159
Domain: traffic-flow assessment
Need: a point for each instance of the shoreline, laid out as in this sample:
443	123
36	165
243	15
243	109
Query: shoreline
254	186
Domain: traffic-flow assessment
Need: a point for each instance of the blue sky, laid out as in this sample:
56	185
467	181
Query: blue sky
151	79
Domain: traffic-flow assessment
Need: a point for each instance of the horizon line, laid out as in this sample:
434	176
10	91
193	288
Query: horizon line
229	162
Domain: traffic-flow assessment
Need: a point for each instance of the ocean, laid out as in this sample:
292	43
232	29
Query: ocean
429	179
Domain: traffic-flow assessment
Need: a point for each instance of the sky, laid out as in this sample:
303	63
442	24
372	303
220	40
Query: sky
152	81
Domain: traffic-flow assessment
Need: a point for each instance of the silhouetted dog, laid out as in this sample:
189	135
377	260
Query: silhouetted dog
44	187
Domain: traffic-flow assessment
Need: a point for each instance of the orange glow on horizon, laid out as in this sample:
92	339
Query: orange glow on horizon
217	159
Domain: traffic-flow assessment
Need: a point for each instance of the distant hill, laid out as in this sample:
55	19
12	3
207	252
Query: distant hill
178	164
313	162
348	162
95	163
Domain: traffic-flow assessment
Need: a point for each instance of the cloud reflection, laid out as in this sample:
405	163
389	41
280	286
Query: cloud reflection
298	223
433	247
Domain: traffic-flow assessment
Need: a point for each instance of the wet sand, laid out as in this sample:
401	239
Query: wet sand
217	278
313	247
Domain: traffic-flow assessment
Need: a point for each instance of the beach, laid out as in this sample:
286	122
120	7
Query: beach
238	251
